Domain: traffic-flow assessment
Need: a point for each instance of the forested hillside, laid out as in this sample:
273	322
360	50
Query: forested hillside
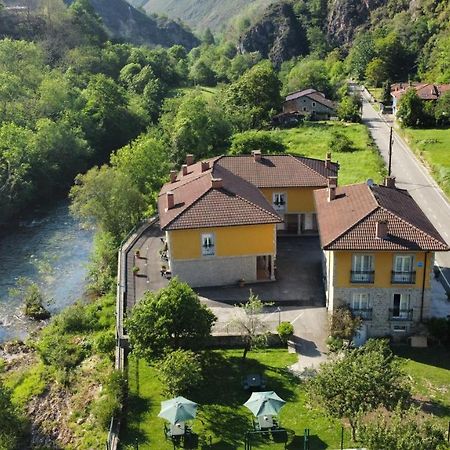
121	21
202	14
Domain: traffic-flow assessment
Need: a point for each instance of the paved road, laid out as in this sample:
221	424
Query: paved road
411	175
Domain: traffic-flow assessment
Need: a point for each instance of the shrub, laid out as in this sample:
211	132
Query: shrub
244	143
76	318
180	371
285	330
343	324
105	342
34	303
335	344
341	143
61	351
349	109
109	404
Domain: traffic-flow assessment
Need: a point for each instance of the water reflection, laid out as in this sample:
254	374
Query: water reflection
51	249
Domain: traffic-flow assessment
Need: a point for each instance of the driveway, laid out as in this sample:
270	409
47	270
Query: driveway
411	174
299	277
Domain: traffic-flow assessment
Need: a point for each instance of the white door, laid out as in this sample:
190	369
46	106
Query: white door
309	223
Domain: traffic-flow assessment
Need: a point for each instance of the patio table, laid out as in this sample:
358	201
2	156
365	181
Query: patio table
254	381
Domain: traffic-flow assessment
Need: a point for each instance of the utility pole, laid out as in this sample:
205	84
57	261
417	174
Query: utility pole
390	152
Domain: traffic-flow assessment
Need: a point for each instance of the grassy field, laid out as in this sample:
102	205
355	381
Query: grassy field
222	420
377	93
429	370
312	139
207	91
432	146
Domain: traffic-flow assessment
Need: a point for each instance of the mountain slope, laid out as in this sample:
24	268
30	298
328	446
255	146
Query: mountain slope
124	22
200	14
278	35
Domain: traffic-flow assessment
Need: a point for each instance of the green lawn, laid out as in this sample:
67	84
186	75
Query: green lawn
207	91
432	146
222	420
313	139
377	93
429	370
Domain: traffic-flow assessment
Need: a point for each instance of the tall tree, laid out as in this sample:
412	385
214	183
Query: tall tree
169	319
253	98
359	382
108	198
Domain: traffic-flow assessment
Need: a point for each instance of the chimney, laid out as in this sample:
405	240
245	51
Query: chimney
389	182
332	184
381	229
189	159
257	155
170	200
216	183
173	176
184	168
328	160
205	166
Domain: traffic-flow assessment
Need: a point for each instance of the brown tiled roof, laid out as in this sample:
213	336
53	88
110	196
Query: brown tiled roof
426	91
239	201
319	98
349	221
279	170
298	94
198	204
313	94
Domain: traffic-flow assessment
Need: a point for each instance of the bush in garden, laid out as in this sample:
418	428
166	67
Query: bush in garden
180	371
285	330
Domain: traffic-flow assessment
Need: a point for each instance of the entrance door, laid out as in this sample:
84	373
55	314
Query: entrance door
291	223
263	267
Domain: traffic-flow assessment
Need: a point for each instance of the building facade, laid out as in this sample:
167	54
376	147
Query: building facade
378	255
309	102
221	217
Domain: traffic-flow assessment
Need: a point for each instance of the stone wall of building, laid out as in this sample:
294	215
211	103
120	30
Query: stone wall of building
382	302
215	271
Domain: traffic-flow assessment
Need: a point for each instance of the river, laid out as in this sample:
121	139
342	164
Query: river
52	249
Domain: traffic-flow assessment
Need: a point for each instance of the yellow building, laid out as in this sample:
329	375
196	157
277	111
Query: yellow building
221	216
378	255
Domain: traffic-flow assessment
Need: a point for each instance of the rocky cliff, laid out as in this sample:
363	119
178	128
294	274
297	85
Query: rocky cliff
346	16
278	35
124	22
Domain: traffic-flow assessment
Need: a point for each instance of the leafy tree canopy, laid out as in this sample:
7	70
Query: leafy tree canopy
169	319
359	382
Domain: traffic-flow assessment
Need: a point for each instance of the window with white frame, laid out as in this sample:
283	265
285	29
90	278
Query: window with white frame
279	201
314	104
361	301
362	268
403	269
401	306
208	247
361	305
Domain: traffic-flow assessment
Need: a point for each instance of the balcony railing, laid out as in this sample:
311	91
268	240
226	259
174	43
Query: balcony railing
400	314
208	250
364	277
365	314
403	277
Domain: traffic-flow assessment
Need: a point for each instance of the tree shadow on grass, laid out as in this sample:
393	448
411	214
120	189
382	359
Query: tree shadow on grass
434	407
433	356
225	424
224	380
136	407
315	443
